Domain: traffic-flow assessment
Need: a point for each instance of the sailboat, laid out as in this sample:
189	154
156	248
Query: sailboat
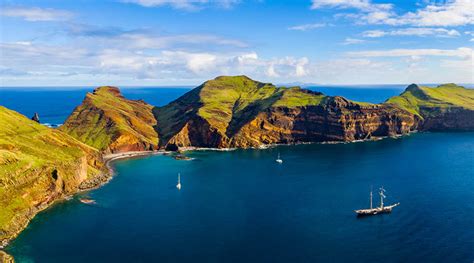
377	210
279	160
179	182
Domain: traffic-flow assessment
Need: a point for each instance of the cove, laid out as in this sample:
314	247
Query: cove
241	206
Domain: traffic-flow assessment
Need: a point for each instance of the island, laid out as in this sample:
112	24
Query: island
41	165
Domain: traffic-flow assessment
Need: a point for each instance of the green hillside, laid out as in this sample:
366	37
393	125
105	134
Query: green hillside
420	100
228	101
109	122
37	165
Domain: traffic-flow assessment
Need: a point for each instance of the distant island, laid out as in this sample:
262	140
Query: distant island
41	165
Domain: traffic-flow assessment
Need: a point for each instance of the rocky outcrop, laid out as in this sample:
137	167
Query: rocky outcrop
449	119
444	108
252	114
5	258
107	121
338	120
36	117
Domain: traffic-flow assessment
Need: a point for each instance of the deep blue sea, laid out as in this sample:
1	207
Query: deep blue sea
241	206
55	104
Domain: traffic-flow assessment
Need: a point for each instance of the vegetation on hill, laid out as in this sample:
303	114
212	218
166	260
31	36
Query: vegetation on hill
421	100
38	165
227	102
107	121
215	112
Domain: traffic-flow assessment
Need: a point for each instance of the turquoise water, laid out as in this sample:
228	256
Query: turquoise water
241	206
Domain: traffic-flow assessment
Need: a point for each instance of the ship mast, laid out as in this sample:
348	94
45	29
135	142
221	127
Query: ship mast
371	198
382	196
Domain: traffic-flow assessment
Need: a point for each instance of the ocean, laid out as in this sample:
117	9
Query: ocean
242	206
55	104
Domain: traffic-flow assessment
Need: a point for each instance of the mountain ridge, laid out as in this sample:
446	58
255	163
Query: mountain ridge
238	112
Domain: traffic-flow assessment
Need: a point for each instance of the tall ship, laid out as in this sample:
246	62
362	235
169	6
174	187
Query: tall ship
381	209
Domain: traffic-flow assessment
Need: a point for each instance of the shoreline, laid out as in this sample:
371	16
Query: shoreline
104	178
273	145
96	183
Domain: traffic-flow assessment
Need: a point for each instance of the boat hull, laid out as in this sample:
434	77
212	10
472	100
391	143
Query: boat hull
375	211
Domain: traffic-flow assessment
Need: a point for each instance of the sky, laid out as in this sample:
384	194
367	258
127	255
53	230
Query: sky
185	42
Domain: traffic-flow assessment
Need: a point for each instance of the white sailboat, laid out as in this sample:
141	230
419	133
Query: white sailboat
279	160
179	182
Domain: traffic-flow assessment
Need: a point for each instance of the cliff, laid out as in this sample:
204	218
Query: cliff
240	112
5	258
236	111
107	121
38	166
446	107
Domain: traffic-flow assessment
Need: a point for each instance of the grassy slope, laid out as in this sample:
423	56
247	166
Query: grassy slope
226	99
415	98
29	152
106	116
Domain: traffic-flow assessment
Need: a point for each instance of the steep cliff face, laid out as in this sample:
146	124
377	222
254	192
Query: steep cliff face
5	258
446	107
240	112
107	121
337	119
38	165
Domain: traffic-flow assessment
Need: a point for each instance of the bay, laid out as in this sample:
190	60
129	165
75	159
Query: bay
242	206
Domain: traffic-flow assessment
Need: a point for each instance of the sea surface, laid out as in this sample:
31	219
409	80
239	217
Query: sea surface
242	206
54	105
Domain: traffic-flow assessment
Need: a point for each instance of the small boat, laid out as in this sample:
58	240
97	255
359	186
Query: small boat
279	160
179	182
87	201
181	157
382	209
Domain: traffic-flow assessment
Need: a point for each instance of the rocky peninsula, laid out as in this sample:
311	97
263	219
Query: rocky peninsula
40	165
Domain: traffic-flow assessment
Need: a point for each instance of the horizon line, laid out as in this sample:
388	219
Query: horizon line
194	86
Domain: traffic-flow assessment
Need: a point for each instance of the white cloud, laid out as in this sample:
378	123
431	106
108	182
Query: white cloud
364	5
374	33
138	40
352	41
307	27
457	64
270	72
111	62
413	31
36	14
462	52
146	39
450	13
189	5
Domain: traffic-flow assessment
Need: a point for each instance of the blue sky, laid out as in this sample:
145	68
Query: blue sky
182	42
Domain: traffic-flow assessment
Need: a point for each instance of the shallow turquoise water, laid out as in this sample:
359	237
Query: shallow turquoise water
241	206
